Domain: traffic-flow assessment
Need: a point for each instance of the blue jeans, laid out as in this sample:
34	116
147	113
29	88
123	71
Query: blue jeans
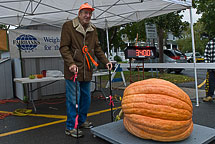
84	100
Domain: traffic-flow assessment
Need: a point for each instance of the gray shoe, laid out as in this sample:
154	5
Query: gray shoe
207	99
73	133
87	125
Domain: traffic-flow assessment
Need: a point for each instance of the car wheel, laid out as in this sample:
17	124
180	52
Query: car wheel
146	69
178	71
168	70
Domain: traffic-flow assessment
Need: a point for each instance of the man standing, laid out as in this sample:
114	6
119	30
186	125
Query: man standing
210	58
79	44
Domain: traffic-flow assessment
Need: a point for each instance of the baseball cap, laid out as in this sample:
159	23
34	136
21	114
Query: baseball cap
86	6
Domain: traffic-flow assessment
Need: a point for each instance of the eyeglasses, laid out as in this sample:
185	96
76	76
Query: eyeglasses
85	12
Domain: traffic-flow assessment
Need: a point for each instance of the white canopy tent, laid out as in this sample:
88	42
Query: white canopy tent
108	13
56	12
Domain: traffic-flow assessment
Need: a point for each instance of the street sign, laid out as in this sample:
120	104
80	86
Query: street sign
151	31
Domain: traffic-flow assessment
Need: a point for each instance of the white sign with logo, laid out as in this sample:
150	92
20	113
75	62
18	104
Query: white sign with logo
34	43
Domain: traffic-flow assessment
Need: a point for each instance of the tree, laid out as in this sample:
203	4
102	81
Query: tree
207	9
3	27
115	39
185	42
132	29
170	22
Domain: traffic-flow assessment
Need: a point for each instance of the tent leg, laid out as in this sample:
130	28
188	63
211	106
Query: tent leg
194	57
108	51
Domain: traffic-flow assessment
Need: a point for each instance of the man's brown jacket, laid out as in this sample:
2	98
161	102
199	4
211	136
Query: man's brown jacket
73	39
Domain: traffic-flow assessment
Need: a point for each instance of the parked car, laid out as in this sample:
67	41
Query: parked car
199	58
169	56
174	56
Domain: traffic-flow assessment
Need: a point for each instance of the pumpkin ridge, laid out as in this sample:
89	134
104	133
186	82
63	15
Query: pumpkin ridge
154	110
138	95
142	134
154	81
168	96
157	86
159	123
184	95
160	115
151	102
163	133
164	107
172	89
131	86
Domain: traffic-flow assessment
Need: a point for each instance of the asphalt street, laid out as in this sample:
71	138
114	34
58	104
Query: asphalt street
48	124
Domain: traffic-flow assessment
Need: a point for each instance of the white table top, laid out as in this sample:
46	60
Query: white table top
97	73
36	80
46	79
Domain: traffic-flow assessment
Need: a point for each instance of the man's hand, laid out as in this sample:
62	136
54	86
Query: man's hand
73	68
109	66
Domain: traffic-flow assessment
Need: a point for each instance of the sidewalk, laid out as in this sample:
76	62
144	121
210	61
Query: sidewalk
192	92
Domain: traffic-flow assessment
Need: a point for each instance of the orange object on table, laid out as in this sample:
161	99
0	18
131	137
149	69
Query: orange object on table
40	76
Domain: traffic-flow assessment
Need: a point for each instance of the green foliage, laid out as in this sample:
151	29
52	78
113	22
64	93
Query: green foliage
131	30
3	27
170	22
207	9
185	42
117	58
115	39
102	38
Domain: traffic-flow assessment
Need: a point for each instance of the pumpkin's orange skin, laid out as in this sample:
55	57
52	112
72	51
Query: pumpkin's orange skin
157	109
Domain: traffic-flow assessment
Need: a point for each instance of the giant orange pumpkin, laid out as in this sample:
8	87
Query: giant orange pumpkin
157	109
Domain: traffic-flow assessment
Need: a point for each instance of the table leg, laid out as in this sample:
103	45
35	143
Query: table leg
31	97
28	89
100	78
100	88
95	89
95	84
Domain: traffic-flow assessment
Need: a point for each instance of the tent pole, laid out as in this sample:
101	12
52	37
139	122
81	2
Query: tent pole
31	7
194	56
108	51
